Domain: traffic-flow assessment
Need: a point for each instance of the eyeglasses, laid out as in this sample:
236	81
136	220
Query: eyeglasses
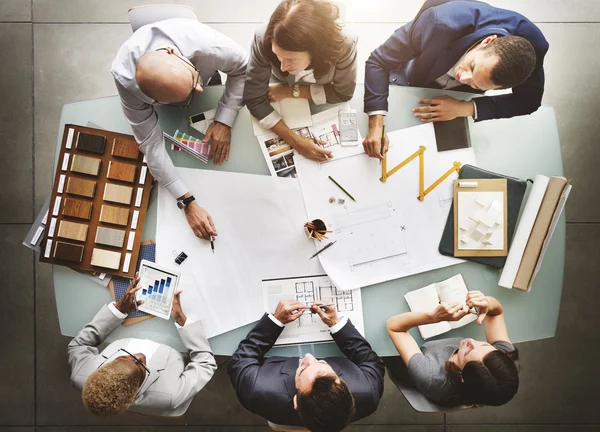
137	360
186	103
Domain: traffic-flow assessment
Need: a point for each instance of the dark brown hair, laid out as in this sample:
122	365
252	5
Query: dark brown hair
493	381
516	60
328	406
306	25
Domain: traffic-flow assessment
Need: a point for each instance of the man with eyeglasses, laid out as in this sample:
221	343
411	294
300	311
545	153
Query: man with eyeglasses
321	395
169	62
137	374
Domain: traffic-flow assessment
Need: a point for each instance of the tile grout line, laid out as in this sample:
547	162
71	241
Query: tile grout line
261	22
33	216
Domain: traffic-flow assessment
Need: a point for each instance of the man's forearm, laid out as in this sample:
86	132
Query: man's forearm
494	306
285	133
405	321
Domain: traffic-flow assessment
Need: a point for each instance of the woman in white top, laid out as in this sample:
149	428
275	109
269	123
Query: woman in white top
303	53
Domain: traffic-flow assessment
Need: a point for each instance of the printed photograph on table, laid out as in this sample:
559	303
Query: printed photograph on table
280	156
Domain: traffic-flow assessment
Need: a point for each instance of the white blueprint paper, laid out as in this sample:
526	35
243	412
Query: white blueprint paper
259	220
388	233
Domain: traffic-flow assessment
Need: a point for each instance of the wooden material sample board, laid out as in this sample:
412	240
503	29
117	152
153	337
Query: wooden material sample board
483	185
98	204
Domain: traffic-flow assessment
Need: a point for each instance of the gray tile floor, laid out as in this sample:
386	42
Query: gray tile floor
54	51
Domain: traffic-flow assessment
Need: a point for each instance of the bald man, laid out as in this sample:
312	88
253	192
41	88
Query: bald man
169	62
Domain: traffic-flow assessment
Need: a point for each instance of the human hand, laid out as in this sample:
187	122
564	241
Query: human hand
328	315
449	312
221	138
372	143
276	92
288	311
311	149
177	311
476	299
443	108
127	303
200	221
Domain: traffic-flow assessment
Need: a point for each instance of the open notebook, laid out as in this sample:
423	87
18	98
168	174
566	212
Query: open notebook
295	113
427	299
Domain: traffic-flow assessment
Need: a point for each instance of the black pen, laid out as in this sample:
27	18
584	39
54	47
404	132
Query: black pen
321	250
212	244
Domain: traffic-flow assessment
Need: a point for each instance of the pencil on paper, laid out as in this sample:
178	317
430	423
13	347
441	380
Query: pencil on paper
324	247
340	186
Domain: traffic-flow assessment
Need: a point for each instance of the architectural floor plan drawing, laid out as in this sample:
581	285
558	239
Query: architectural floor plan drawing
309	328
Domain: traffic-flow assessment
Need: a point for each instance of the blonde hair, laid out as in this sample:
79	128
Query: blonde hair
110	390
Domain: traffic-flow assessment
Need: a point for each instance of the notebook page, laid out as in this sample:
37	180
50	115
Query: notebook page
454	290
426	300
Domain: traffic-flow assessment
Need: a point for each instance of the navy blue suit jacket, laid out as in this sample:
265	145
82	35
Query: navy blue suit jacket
430	45
267	386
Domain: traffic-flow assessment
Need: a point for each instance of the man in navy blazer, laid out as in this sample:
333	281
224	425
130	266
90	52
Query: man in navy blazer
461	45
322	395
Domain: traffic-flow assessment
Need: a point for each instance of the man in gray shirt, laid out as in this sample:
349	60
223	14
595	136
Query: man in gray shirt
168	62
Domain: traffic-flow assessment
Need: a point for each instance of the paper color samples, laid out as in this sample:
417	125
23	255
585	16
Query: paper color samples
77	186
110	237
86	165
77	208
117	193
114	215
125	149
68	251
91	143
72	230
106	258
121	171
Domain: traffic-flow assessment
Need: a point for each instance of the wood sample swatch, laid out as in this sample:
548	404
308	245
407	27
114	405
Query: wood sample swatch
125	149
86	165
121	171
68	251
77	208
117	193
91	143
77	186
105	258
114	215
110	236
72	230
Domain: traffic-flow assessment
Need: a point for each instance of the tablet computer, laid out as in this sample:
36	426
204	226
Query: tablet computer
159	285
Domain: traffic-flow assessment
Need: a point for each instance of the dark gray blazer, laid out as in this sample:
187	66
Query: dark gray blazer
339	83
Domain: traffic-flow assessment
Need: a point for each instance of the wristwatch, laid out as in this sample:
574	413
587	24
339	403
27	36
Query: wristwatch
296	91
183	203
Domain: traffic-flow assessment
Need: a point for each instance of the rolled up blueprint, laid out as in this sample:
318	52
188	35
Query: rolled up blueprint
517	248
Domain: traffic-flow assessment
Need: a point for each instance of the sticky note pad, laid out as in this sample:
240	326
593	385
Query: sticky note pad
77	186
86	165
68	251
110	236
77	208
121	171
106	258
125	149
117	193
72	230
91	143
114	215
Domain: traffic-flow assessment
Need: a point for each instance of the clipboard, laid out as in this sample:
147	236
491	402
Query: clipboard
483	185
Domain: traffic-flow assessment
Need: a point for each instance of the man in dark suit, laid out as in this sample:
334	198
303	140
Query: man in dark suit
463	46
322	395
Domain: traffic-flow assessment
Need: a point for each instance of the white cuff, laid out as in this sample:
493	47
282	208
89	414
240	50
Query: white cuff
378	112
269	121
177	188
187	322
341	323
475	109
275	320
317	94
116	312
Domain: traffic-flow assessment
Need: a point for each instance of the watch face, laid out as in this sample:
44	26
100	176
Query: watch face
180	204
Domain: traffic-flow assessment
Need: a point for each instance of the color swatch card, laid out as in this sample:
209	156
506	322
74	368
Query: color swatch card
158	287
98	204
199	149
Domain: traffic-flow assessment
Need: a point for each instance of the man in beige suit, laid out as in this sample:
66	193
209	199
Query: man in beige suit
137	374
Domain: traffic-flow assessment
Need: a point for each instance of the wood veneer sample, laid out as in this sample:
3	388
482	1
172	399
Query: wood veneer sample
72	230
91	143
77	208
117	193
110	236
85	165
68	251
105	258
77	186
126	149
114	215
121	171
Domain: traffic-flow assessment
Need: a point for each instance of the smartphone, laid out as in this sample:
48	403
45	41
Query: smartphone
348	127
